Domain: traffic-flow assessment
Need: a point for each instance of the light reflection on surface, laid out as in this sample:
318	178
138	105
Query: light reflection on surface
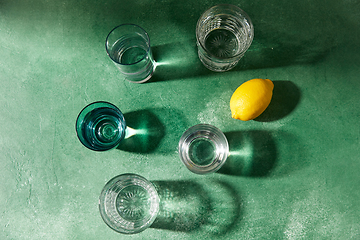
131	132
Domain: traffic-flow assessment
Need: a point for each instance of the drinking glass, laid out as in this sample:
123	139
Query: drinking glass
128	46
100	126
203	148
224	33
129	203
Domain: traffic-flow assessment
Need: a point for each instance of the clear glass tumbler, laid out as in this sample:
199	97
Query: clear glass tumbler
203	148
128	46
224	33
100	126
129	203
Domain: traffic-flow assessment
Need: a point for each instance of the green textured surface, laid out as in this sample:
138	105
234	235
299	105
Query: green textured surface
296	174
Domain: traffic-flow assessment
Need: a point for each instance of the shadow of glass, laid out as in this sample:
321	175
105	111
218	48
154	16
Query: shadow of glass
178	60
293	155
188	206
268	54
176	124
184	205
302	34
286	96
259	153
252	154
144	132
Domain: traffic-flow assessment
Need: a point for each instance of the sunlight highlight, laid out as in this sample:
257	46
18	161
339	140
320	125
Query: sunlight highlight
168	62
131	132
245	151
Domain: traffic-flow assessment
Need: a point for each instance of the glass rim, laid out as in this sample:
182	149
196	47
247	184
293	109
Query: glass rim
128	24
77	120
153	194
230	7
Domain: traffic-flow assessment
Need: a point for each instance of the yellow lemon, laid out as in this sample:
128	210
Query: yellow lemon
251	99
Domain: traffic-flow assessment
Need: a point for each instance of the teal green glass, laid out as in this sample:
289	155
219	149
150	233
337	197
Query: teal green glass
100	126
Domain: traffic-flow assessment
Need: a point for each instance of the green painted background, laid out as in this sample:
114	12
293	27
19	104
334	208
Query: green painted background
295	174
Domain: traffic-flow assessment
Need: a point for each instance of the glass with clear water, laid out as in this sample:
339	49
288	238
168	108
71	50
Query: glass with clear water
100	126
224	33
203	148
129	203
128	46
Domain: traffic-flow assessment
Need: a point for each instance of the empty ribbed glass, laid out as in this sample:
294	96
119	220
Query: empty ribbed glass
129	203
224	33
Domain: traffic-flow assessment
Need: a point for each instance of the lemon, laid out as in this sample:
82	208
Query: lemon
251	99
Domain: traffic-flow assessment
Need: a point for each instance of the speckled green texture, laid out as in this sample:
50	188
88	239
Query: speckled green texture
293	173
